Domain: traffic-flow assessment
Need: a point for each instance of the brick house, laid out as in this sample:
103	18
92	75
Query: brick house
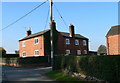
113	41
38	44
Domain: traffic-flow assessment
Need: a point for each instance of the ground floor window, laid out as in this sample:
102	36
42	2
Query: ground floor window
36	52
67	51
85	51
24	54
78	52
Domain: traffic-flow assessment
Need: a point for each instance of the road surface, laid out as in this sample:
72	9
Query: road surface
25	74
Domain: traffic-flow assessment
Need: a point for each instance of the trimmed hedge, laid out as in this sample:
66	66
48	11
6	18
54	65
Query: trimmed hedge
10	55
33	60
102	67
26	61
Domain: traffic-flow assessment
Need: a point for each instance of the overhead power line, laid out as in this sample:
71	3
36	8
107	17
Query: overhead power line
60	16
24	15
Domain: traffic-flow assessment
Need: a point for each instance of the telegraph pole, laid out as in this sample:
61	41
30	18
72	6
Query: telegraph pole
51	17
51	32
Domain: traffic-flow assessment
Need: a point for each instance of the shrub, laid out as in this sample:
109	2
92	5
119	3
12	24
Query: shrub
33	60
10	55
102	67
26	61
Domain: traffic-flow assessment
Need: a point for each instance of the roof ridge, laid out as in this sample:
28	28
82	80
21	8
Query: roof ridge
35	34
42	31
115	26
76	35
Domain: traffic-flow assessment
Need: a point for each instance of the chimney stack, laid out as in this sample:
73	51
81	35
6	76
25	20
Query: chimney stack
28	32
72	33
53	25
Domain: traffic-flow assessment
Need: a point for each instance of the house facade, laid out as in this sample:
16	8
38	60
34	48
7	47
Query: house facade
113	41
38	44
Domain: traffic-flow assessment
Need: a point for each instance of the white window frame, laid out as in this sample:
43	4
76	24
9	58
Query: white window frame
35	42
78	52
23	43
67	41
84	42
35	53
85	51
76	42
67	52
23	55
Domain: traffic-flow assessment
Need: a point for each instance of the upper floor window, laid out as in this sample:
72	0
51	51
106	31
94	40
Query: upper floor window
67	41
84	42
78	52
24	54
36	41
36	52
76	42
67	51
85	51
23	44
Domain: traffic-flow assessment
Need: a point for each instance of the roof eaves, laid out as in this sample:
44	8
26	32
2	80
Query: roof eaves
30	37
76	35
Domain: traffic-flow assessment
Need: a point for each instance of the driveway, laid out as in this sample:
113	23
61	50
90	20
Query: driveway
25	74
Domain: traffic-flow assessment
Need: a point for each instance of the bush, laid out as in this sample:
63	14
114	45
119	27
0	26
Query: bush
102	67
10	55
33	60
26	61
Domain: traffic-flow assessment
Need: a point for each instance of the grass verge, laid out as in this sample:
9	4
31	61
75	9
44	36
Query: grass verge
59	76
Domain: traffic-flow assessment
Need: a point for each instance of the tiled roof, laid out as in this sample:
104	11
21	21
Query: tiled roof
115	30
34	35
42	32
76	35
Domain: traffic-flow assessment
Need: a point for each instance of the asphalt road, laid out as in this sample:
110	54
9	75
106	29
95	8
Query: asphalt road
25	74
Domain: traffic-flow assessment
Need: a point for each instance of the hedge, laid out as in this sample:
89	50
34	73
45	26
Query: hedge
26	61
103	67
10	55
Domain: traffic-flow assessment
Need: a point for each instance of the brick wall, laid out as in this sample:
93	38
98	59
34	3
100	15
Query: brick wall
119	44
62	47
113	45
31	47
